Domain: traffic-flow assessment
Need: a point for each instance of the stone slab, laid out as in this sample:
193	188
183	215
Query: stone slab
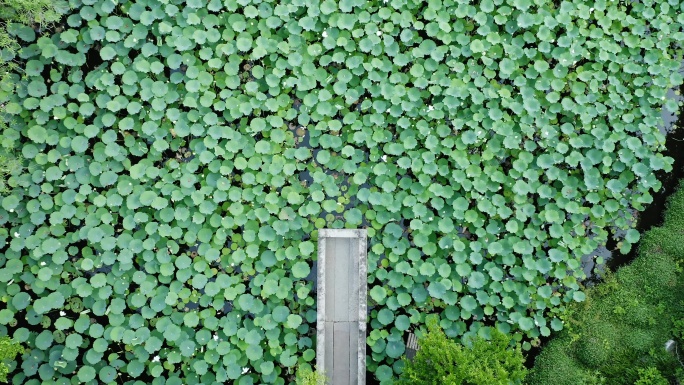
342	305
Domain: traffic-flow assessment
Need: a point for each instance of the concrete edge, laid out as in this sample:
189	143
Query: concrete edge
362	235
363	303
341	233
320	307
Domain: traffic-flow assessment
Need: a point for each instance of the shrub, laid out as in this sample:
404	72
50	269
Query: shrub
307	376
596	346
641	341
10	164
441	360
678	329
555	365
651	376
8	351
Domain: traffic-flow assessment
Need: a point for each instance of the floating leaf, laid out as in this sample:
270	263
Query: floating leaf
395	349
300	269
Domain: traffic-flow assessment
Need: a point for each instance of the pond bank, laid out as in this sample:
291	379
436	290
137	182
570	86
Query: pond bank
653	214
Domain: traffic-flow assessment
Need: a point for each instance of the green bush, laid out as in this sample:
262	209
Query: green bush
10	164
651	376
8	351
307	376
597	345
441	360
641	341
678	329
557	365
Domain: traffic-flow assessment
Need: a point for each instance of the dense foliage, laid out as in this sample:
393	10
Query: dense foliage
10	163
308	376
8	352
620	334
180	156
443	361
651	376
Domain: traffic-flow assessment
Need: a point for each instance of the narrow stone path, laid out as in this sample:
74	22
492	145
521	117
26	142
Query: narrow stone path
342	283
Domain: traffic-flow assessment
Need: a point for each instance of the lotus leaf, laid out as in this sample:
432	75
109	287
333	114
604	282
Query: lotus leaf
174	163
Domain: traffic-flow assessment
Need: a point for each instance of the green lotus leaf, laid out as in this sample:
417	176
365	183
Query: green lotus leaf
556	324
107	374
306	248
172	333
86	374
301	269
21	300
545	291
468	303
10	202
323	157
135	368
69	36
378	293
107	53
632	236
6	316
44	340
293	321
578	296
73	341
395	349
384	373
476	280
526	323
385	316
427	269
496	273
437	289
37	134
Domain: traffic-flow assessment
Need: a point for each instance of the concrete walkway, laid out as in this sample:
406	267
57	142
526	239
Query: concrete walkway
342	290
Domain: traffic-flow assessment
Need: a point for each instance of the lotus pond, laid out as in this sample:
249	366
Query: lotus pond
176	159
